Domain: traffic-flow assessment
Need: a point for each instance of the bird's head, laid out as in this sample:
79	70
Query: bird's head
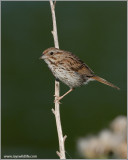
52	54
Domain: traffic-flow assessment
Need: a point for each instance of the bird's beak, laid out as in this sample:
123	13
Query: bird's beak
42	57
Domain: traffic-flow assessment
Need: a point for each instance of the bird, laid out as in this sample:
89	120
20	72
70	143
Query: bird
69	69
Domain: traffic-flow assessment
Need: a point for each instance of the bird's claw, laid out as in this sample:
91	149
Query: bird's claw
57	99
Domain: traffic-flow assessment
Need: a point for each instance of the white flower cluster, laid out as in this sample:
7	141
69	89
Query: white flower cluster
109	143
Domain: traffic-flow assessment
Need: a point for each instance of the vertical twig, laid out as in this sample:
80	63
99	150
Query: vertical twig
56	111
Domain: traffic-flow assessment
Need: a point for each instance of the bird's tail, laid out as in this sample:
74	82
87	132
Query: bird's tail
97	78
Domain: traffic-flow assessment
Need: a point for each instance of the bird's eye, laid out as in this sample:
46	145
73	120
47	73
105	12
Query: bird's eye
51	53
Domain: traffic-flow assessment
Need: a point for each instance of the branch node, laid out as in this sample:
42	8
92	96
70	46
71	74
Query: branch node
52	33
53	111
64	138
54	4
58	153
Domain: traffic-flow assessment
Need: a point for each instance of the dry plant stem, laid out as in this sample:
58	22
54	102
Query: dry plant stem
56	111
54	32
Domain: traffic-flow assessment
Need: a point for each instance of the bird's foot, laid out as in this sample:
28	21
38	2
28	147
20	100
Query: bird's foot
57	99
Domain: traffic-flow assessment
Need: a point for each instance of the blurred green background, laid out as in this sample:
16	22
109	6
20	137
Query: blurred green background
96	33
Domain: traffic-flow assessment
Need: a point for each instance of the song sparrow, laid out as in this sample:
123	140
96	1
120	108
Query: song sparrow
69	69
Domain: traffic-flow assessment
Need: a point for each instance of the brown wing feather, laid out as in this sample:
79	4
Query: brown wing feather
79	66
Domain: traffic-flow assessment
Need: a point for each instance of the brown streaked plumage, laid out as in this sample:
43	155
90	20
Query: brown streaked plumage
69	69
